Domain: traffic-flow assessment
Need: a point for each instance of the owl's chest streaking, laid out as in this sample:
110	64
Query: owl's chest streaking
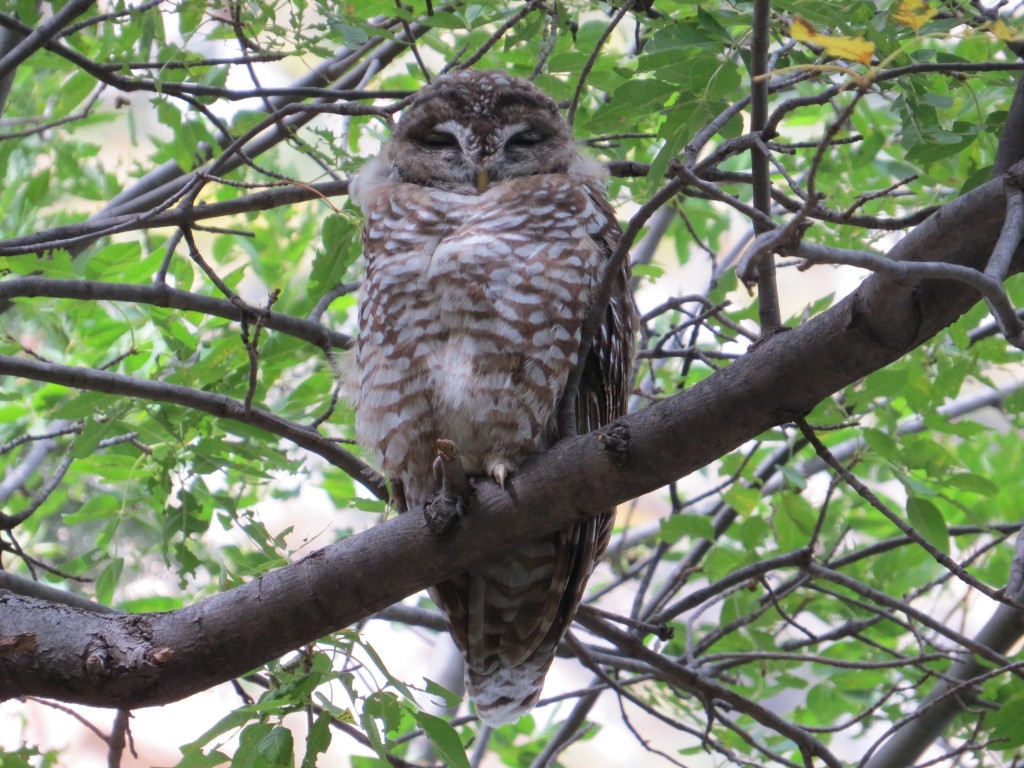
471	318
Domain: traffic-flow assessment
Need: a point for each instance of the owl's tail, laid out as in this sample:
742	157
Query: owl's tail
507	693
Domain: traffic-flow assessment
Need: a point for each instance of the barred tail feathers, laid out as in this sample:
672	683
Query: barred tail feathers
506	694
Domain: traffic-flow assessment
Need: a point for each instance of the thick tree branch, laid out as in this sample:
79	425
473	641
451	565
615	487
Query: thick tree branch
151	659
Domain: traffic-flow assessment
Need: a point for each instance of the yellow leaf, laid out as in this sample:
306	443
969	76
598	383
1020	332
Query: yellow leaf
856	48
1001	30
914	13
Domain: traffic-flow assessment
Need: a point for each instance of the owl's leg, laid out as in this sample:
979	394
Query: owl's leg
398	491
445	508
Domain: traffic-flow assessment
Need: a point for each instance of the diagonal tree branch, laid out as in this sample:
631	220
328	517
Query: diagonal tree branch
149	659
43	35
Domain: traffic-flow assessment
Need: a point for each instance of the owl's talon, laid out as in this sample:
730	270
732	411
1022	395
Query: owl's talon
500	473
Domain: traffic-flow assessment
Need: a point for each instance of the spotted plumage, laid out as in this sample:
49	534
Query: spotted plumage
485	240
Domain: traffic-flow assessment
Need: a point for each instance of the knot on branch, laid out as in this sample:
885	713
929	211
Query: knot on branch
445	508
15	644
159	656
1014	176
615	439
96	663
783	241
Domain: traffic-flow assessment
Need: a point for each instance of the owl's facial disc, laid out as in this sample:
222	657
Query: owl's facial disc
470	130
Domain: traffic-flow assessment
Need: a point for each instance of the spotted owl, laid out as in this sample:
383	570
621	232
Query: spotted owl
486	238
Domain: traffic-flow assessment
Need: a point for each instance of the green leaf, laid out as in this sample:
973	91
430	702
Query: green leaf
794	521
444	739
317	740
882	444
651	271
350	34
114	261
358	761
675	527
927	520
968	481
229	722
1005	723
276	748
93	431
107	580
742	498
446	698
248	754
340	237
638	97
96	507
193	757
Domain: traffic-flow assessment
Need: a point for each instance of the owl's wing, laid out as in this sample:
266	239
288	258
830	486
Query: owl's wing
509	616
603	396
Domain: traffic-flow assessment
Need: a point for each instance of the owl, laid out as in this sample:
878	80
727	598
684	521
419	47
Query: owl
486	237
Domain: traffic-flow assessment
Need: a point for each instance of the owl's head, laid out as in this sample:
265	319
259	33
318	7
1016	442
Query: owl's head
472	128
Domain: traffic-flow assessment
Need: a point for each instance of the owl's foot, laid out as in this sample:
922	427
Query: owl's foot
445	508
500	469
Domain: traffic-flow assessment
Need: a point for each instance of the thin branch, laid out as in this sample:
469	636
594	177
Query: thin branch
1013	228
161	295
1000	633
850	479
99	18
890	603
43	36
8	522
46	126
102	72
499	33
699	685
574	103
216	405
990	288
769	312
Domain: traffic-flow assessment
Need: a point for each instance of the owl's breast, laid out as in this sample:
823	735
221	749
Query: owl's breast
472	316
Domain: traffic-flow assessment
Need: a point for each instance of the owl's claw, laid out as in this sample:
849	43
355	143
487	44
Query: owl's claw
500	472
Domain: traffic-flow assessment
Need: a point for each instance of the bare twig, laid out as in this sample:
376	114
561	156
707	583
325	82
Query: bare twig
574	103
990	288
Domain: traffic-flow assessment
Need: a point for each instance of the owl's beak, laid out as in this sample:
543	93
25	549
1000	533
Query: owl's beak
483	178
